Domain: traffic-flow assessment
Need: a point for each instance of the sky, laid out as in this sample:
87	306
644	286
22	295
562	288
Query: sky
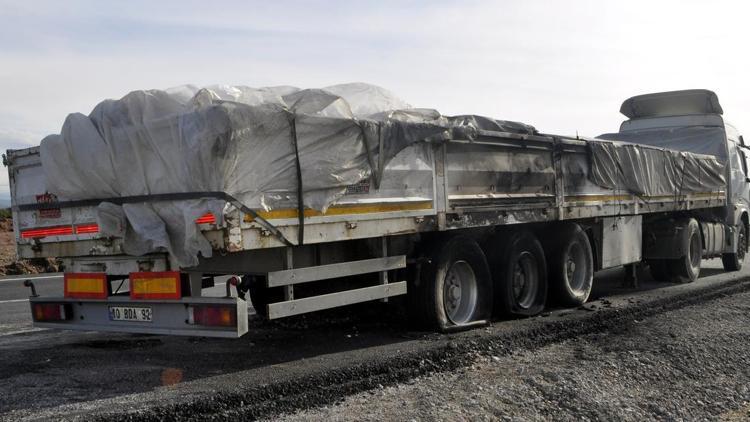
562	66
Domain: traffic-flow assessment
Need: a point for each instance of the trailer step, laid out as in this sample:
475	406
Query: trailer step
325	272
332	300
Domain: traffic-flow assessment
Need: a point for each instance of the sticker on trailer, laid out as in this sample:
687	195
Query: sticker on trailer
48	198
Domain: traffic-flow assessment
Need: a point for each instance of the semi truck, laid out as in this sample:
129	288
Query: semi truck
469	226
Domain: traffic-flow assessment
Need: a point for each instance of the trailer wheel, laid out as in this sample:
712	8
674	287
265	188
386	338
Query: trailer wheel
520	274
733	261
571	267
455	288
687	268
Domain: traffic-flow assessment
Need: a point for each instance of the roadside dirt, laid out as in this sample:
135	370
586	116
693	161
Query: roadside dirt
320	364
669	370
10	264
688	364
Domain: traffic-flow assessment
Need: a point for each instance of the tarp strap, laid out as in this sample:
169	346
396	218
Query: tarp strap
161	197
300	198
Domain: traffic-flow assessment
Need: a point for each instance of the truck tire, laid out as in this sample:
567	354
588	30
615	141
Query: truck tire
454	288
733	261
570	267
687	268
520	274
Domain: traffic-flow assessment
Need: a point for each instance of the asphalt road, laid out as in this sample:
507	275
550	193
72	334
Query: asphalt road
277	368
15	317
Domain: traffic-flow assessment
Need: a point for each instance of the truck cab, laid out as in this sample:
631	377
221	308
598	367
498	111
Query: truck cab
693	121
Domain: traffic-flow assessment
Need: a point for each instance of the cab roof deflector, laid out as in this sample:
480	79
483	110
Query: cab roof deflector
673	103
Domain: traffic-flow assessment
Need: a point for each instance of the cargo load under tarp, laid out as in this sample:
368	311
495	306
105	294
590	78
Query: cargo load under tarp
651	171
260	146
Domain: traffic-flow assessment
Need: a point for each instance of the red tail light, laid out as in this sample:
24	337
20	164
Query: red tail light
207	218
47	231
51	312
216	316
88	228
60	231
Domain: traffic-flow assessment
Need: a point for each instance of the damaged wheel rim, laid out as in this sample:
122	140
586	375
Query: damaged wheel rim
460	293
576	268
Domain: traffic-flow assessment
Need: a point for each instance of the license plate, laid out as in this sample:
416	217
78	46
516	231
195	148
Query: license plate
130	313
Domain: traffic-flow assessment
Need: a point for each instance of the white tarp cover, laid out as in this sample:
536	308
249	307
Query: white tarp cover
232	139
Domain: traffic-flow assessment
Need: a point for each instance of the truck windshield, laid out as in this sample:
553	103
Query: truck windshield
707	140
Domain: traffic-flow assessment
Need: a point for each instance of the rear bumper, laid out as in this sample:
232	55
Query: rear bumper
170	317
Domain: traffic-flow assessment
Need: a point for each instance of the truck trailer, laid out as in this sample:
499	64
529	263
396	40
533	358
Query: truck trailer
470	218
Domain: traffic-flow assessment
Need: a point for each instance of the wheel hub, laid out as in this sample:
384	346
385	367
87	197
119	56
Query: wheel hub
525	280
455	293
571	268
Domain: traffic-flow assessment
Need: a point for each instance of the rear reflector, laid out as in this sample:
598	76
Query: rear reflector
87	228
207	218
158	285
51	311
213	316
60	231
86	285
47	231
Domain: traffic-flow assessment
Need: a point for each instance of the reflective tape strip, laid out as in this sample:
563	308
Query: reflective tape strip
344	209
154	285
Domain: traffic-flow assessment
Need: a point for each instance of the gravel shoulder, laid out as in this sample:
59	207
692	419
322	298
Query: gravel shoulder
691	363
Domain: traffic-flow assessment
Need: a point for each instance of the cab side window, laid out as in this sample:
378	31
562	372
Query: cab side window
736	156
744	156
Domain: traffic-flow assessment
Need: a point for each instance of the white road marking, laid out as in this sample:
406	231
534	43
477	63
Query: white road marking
32	330
27	277
14	300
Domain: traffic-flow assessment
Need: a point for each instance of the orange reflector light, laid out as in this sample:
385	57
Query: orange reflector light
47	231
216	316
86	285
51	311
157	285
87	228
207	218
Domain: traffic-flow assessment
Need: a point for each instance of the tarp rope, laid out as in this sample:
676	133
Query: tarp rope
300	198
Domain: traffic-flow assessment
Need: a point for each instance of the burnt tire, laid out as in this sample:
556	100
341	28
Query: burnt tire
570	267
454	288
260	295
733	261
519	271
687	268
